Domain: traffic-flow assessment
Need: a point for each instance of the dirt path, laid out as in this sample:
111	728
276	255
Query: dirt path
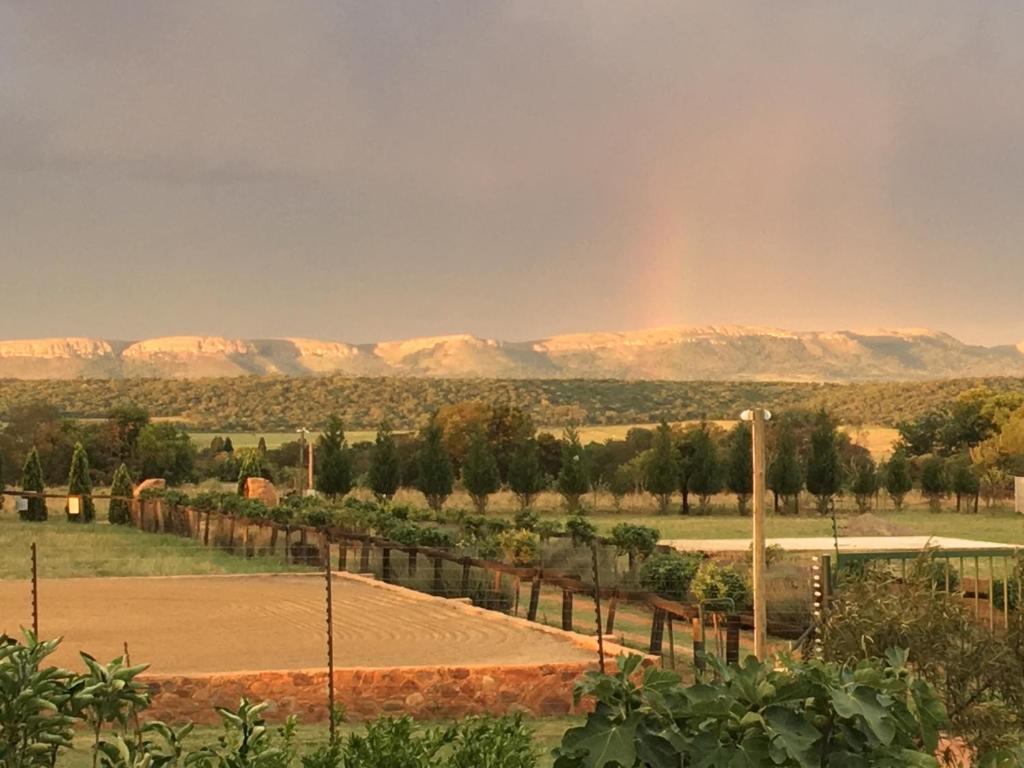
233	623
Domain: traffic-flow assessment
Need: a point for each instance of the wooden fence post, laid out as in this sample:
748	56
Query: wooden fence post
464	591
364	558
343	555
438	586
535	585
385	563
412	562
698	645
732	639
613	603
206	531
657	631
567	610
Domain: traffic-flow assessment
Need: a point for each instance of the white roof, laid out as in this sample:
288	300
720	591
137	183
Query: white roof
846	544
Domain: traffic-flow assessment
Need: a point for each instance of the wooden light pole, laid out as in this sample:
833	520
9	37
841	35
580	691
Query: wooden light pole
757	417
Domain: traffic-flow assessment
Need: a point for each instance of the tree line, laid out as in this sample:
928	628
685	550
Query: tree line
255	403
967	448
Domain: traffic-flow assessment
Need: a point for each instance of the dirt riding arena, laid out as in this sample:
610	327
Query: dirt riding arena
211	639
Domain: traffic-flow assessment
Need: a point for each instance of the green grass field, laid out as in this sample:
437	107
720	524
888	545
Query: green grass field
72	550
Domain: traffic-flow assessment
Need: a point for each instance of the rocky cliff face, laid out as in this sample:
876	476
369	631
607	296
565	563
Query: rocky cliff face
680	353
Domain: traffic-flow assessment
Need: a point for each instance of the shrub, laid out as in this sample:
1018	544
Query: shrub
581	530
526	519
435	537
669	574
799	715
714	581
520	547
636	541
978	674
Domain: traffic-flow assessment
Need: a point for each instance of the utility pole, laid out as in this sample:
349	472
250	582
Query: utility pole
302	455
757	417
310	468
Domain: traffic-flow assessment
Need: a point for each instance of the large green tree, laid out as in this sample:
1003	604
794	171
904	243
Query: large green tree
574	477
824	471
865	483
480	475
385	466
507	428
525	475
333	460
121	486
785	478
964	481
661	468
934	484
898	481
436	476
739	465
705	477
166	451
80	484
32	481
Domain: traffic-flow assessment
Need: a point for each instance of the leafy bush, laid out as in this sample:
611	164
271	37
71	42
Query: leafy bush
520	547
41	705
979	674
637	541
435	537
715	581
804	714
669	574
548	528
581	530
526	519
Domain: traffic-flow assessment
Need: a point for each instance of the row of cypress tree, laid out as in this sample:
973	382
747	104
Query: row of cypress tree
79	484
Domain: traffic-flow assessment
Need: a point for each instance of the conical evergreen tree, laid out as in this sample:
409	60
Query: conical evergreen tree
436	474
80	484
334	468
480	471
574	479
250	467
32	481
865	483
784	476
385	469
898	481
661	471
228	446
739	470
261	446
525	474
706	470
824	470
120	508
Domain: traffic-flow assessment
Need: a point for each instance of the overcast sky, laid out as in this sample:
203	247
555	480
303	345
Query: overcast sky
373	170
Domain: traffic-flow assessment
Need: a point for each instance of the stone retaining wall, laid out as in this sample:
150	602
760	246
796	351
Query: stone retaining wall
423	692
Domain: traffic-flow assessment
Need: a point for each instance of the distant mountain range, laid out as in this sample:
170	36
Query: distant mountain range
732	353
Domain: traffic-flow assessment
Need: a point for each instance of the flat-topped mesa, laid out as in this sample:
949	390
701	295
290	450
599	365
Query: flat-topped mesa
56	349
395	351
186	346
318	348
653	337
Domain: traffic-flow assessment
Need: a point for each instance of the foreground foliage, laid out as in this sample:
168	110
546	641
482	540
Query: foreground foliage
877	713
979	674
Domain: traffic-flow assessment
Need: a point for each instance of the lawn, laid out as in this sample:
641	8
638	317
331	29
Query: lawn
70	549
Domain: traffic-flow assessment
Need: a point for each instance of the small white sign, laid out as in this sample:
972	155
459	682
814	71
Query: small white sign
22	505
1018	494
74	505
